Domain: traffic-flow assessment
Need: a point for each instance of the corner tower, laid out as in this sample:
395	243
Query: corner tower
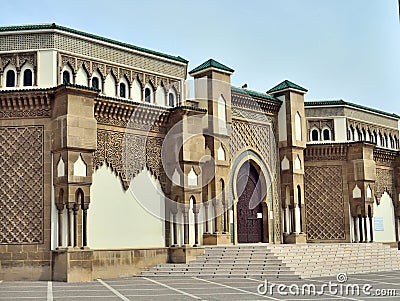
213	93
292	142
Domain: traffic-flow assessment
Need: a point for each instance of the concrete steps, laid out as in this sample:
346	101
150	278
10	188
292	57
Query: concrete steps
285	261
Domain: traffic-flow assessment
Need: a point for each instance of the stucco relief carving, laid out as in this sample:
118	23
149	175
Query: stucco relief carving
383	182
18	60
128	154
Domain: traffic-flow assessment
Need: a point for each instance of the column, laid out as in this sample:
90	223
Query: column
371	229
284	219
185	213
301	209
60	209
75	212
360	228
216	226
365	229
355	229
287	213
297	218
293	219
206	217
69	222
84	225
225	216
174	229
196	225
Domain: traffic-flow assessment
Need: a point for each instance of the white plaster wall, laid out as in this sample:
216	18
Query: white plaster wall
160	96
47	68
282	121
385	209
81	77
136	91
115	217
339	125
109	86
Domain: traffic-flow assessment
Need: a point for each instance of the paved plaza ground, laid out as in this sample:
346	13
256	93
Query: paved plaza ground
373	286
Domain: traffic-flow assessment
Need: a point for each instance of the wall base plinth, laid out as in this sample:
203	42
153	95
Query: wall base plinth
295	238
216	239
184	254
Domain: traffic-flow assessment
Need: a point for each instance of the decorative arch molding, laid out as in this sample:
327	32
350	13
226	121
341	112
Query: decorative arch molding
384	183
18	60
91	66
267	179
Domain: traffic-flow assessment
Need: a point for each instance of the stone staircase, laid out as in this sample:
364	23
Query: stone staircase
317	260
284	261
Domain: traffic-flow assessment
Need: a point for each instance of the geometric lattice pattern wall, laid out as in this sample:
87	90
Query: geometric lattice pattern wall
324	202
21	188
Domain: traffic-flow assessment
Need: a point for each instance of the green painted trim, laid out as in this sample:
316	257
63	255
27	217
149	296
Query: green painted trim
255	94
341	102
89	35
211	63
286	84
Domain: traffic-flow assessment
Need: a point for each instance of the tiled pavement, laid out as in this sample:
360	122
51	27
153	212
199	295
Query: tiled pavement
191	288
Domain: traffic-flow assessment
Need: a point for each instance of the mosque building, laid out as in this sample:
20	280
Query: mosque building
115	158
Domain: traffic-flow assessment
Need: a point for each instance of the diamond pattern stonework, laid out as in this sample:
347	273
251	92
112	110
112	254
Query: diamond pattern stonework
21	189
324	203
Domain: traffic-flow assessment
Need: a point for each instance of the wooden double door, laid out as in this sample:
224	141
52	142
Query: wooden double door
249	208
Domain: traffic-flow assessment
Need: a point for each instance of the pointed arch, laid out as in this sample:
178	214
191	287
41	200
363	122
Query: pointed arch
136	90
110	85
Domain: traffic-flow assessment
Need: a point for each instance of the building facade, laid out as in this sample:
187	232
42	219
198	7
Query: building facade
112	161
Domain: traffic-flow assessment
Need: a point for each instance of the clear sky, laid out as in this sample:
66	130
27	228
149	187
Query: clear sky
338	49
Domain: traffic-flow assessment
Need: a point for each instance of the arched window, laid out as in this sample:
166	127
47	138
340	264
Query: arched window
10	78
314	135
147	95
66	77
122	90
28	77
95	83
171	100
326	134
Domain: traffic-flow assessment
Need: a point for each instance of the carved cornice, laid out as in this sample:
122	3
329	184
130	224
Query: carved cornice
319	152
25	104
134	115
248	102
385	157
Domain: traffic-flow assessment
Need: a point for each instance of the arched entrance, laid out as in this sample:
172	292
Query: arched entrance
249	208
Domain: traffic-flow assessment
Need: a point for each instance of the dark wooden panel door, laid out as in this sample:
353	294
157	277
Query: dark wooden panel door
249	224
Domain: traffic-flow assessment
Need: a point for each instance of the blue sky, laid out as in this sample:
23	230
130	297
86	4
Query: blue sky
338	49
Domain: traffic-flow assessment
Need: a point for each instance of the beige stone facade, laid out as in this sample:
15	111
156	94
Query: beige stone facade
226	165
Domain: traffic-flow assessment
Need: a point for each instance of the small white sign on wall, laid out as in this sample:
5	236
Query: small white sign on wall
259	215
378	223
